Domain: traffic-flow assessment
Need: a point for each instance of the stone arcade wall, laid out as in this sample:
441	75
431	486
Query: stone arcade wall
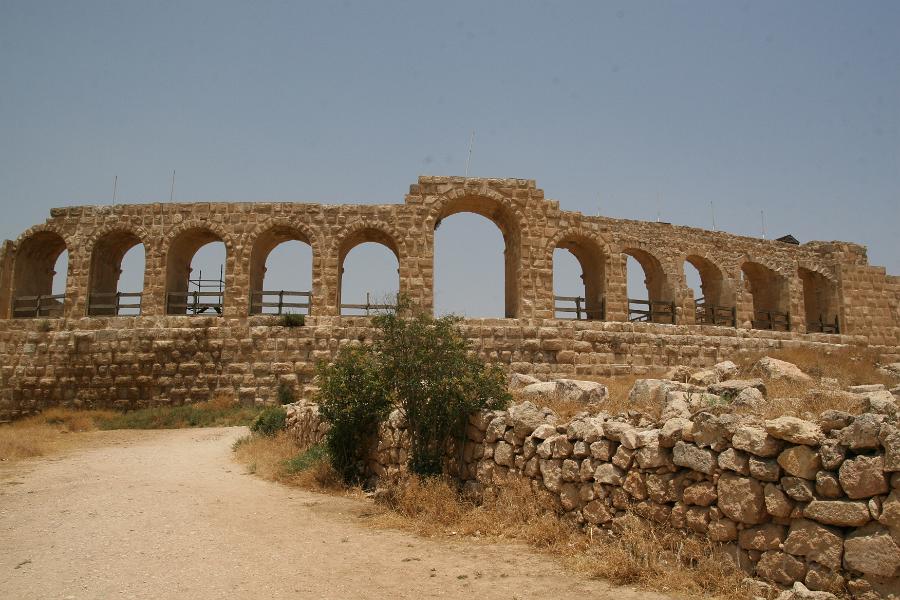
831	279
160	357
814	502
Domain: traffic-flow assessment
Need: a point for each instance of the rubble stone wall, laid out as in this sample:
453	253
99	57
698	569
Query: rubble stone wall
814	502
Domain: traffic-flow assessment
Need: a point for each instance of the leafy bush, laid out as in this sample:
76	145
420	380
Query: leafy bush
353	399
293	320
270	421
432	377
285	393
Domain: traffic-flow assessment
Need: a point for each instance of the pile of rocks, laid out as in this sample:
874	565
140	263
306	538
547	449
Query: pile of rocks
815	501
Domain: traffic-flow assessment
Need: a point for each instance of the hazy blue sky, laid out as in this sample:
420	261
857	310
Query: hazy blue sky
629	109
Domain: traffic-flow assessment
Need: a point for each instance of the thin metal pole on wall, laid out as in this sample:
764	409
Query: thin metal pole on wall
469	156
172	190
115	188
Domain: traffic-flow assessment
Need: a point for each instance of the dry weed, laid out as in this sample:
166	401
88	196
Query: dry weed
636	552
279	458
619	387
847	366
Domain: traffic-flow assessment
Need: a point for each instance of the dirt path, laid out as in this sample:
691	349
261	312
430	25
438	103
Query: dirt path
166	514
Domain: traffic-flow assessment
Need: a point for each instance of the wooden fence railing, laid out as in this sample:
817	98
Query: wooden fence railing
656	311
712	314
110	303
195	303
29	307
275	302
582	312
369	306
771	320
821	326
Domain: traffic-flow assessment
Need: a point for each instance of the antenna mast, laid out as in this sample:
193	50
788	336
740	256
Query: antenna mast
172	191
712	211
762	216
115	188
469	157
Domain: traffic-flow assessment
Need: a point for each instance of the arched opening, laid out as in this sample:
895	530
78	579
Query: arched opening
819	302
468	258
39	280
116	284
371	281
705	279
195	274
281	272
509	227
579	285
652	301
770	297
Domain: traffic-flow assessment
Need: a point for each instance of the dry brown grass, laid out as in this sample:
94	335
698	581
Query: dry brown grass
619	387
798	398
279	458
849	366
637	553
47	432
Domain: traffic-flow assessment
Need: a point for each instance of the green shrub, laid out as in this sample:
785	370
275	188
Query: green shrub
353	400
293	320
306	460
285	393
432	377
270	421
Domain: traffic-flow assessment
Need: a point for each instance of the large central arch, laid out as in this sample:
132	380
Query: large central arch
495	208
263	243
370	233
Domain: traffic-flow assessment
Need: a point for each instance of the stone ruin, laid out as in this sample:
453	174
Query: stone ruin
802	504
80	349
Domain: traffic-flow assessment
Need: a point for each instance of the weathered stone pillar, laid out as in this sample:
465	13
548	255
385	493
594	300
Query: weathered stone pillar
153	299
237	280
77	282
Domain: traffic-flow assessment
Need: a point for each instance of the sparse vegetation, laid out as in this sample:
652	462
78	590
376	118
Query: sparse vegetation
637	552
285	393
845	366
48	431
279	458
292	320
269	422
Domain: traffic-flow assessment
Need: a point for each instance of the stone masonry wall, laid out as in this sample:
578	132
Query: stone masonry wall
131	362
816	502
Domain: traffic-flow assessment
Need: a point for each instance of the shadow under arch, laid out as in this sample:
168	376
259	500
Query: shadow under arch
592	259
715	306
35	266
105	270
820	301
508	219
361	235
771	296
182	248
659	306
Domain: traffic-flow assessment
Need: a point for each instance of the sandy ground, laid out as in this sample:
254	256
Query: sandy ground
167	514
